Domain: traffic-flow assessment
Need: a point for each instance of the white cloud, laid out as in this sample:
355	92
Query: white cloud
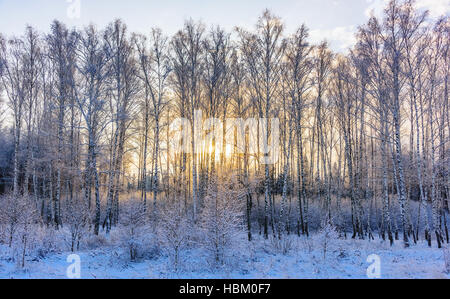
375	7
340	38
436	7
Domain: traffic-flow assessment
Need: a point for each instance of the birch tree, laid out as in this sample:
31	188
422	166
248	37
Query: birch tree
14	84
90	96
263	52
122	89
61	54
299	69
155	69
187	45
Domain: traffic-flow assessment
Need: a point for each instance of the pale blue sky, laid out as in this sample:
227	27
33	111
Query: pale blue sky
335	20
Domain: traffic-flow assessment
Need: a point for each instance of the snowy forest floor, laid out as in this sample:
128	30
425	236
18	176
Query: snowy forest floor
303	258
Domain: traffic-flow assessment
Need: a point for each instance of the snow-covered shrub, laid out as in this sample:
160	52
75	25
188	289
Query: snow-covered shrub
174	231
23	232
95	241
76	218
9	217
283	245
133	229
50	240
20	217
307	244
326	237
221	220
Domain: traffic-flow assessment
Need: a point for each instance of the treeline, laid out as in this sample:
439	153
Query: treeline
86	117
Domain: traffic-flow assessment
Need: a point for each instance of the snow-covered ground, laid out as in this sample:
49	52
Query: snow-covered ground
259	259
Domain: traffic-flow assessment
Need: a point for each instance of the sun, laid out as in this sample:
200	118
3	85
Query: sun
228	150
